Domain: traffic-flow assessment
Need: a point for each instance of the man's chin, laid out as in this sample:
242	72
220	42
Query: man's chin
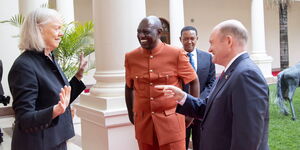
213	60
146	47
188	50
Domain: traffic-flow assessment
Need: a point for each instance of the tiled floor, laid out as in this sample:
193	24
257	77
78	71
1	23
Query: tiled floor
6	123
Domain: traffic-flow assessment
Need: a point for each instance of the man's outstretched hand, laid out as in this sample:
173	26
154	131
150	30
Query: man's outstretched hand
171	92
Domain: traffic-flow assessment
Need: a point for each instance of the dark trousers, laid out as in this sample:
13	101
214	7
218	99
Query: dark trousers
196	131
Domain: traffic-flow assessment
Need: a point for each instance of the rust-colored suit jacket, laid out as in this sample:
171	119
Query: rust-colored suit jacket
153	115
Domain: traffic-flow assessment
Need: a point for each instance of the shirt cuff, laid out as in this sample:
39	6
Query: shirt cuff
182	101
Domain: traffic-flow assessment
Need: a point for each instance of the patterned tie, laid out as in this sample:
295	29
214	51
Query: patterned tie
191	59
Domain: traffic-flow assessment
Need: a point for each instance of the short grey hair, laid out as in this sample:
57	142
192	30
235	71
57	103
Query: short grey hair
30	35
234	28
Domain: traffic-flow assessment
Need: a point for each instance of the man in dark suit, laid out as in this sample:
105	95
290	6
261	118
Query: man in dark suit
236	115
202	63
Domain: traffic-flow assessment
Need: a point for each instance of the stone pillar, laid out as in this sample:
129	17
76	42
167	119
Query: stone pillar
176	14
103	113
66	9
26	6
259	55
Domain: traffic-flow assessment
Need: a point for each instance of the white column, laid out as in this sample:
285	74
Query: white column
259	55
26	6
176	14
66	9
103	113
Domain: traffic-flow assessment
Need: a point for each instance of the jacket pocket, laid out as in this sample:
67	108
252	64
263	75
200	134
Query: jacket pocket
170	111
168	77
140	81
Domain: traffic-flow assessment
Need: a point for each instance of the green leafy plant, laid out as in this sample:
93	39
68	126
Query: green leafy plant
16	20
77	39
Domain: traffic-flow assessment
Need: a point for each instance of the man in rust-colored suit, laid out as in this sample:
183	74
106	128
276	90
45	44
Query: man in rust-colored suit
157	125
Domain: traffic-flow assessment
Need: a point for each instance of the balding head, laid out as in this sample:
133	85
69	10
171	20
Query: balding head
153	21
149	32
227	40
234	28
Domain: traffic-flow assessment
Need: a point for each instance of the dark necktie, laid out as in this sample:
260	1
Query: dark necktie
191	60
221	77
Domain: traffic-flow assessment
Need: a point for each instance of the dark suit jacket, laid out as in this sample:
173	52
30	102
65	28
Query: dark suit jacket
206	72
237	113
35	83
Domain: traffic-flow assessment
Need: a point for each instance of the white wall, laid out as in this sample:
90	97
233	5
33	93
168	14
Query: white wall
159	8
9	45
83	10
272	33
294	33
207	14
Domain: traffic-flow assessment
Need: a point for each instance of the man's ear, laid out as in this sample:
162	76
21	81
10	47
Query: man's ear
159	31
229	40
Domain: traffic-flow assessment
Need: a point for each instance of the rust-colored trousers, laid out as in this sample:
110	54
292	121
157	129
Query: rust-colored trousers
178	145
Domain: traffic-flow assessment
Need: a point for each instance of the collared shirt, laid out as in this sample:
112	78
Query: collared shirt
161	65
182	101
233	59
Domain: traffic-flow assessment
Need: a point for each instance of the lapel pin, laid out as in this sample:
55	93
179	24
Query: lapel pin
226	76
